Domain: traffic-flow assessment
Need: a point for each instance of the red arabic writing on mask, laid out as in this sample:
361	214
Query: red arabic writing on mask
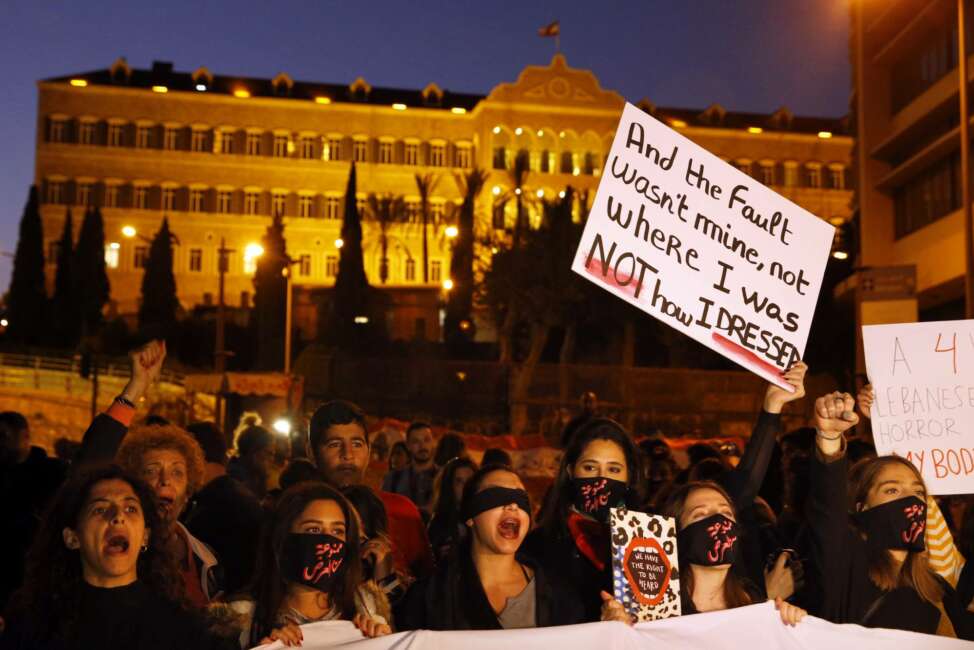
324	566
722	541
594	496
917	518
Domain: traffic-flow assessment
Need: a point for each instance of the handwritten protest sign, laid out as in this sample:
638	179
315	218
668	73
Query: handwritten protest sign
645	567
923	377
703	247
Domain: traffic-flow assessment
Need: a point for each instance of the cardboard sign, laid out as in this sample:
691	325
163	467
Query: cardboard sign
703	247
645	567
923	377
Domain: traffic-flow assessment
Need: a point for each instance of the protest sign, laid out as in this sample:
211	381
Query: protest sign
923	377
645	566
703	247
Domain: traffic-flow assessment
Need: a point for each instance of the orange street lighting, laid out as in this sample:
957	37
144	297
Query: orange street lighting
253	250
160	89
322	100
456	110
540	194
201	87
447	284
825	135
241	93
755	129
398	107
497	130
339	242
452	231
114	245
540	133
79	83
128	231
518	131
678	124
496	191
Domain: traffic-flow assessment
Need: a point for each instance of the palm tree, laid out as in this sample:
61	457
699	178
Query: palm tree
460	303
426	184
386	210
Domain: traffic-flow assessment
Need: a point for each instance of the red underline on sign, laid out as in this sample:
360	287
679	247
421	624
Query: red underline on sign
611	279
743	354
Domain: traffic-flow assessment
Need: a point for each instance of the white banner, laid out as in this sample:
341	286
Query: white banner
754	627
923	376
703	247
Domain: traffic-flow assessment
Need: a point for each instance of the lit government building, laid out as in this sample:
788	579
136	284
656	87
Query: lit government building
218	155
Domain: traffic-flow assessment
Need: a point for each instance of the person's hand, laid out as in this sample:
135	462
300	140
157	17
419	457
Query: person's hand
780	580
865	399
834	415
776	397
379	553
370	627
790	614
289	635
612	610
146	365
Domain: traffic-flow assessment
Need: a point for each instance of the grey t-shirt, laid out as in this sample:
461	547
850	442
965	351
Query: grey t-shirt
519	612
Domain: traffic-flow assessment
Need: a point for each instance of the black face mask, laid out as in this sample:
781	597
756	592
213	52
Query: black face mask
899	524
709	542
317	561
594	496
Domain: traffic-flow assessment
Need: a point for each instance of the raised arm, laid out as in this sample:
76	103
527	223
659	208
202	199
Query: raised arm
106	431
744	482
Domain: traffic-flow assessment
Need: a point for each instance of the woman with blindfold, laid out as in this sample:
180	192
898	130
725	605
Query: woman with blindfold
308	570
487	583
873	566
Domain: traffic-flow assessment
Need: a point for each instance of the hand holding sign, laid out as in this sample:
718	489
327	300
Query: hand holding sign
776	397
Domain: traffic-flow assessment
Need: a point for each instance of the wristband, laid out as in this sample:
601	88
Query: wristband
818	432
124	401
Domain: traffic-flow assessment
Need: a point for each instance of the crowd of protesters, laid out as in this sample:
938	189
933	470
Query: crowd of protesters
155	537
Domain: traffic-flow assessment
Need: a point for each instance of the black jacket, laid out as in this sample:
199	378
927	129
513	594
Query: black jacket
453	598
840	558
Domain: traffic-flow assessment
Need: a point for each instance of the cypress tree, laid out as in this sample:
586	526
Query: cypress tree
157	313
92	280
27	298
67	312
350	297
270	297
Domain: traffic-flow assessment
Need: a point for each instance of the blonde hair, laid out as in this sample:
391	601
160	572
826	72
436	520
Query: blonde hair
144	439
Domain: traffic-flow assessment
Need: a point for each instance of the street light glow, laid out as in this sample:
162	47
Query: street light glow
561	194
201	87
840	255
678	124
241	93
452	231
282	426
518	131
497	190
128	231
456	110
755	129
339	242
160	89
540	194
114	245
79	83
447	284
825	135
4	322
497	130
361	320
253	250
399	107
322	100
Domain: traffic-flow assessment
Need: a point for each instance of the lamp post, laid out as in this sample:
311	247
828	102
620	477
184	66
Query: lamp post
287	317
220	354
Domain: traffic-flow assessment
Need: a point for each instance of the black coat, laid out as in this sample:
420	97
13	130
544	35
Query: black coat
840	558
555	550
453	598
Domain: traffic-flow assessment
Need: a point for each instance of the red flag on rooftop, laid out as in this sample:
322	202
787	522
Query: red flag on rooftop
552	29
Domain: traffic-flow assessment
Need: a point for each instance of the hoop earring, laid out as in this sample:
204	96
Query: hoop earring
145	547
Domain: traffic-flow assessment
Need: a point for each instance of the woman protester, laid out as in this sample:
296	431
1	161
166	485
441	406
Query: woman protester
873	565
308	570
100	574
446	528
487	582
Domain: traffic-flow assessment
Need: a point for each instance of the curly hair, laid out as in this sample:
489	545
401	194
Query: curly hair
149	438
49	601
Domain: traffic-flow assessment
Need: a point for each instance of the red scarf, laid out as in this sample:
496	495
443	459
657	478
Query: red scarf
591	539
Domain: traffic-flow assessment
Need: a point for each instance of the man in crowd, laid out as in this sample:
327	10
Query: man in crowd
255	456
416	479
339	444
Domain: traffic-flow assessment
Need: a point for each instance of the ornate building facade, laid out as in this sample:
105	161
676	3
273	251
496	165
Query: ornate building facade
219	155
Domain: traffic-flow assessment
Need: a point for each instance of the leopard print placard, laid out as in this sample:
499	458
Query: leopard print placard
645	566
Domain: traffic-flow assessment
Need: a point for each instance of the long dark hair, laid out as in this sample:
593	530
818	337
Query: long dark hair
555	515
270	585
50	599
445	505
736	593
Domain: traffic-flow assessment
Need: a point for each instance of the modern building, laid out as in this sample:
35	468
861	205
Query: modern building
218	155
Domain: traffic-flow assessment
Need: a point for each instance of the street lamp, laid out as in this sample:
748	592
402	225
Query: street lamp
128	232
452	232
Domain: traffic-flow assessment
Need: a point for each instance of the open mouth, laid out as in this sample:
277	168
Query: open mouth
117	544
166	504
509	528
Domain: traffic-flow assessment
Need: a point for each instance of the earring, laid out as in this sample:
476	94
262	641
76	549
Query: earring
145	547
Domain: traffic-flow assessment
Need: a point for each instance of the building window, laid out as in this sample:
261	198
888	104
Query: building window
111	255
140	200
84	195
253	144
55	191
86	134
437	155
929	196
331	266
791	175
57	130
333	207
251	202
546	157
814	176
500	158
435	270
207	299
196	200
169	199
567	162
361	205
115	135
588	163
385	152
767	174
278	203
195	260
305	206
411	153
413	212
280	146
410	270
111	196
437	211
307	146
226	141
170	138
143	137
923	64
837	178
198	143
463	157
304	266
360	150
224	201
333	150
141	256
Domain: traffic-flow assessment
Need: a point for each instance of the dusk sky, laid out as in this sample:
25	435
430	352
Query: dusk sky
748	55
